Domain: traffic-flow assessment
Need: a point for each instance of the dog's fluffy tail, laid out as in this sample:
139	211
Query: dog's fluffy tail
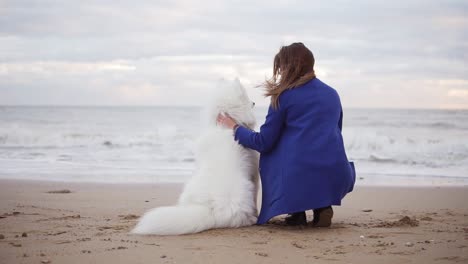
175	220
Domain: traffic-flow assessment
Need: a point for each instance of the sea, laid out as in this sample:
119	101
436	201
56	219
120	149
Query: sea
156	144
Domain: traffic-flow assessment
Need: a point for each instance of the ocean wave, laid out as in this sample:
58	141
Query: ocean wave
410	149
406	124
54	139
376	158
408	162
145	140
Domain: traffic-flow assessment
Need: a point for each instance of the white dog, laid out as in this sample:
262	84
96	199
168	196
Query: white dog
223	191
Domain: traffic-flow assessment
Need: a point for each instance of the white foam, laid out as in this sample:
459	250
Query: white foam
155	143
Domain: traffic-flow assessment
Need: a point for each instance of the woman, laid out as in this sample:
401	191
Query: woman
303	164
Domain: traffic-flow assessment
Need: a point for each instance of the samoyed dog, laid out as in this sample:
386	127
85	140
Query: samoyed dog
222	193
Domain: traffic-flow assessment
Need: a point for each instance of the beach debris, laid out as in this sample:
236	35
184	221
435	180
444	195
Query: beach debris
163	256
25	255
15	244
57	233
361	237
42	254
122	247
63	242
261	254
2	236
409	244
60	191
404	221
367	210
116	227
295	244
67	217
146	201
45	261
107	143
129	217
383	244
407	221
450	213
24	234
14	213
86	251
427	218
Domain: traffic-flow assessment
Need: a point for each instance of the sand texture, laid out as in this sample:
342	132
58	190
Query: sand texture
48	222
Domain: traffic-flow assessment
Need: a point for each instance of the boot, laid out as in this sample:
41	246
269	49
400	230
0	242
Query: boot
296	219
322	217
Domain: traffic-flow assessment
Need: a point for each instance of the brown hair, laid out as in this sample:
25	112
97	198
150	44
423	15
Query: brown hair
293	66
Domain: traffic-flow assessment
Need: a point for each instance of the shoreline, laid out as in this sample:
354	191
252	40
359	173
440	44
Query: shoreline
363	181
90	224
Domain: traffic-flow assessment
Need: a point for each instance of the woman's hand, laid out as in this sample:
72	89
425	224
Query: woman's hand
226	121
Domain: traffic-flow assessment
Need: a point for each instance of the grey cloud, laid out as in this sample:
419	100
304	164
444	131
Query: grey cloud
184	45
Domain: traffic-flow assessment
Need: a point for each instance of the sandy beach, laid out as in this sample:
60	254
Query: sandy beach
51	222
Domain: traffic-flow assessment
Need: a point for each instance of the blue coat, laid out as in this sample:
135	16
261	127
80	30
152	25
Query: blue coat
303	163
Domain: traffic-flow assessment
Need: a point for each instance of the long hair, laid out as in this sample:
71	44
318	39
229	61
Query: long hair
293	66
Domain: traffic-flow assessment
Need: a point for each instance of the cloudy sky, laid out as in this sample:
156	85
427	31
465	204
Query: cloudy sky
398	54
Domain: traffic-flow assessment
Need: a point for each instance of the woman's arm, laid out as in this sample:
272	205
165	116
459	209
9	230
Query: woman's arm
340	121
269	134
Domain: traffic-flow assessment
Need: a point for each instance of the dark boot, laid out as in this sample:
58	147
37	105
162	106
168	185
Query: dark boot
296	219
322	217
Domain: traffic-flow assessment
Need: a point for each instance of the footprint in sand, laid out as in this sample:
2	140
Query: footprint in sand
60	191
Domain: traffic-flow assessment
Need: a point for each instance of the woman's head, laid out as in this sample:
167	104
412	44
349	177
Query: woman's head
293	66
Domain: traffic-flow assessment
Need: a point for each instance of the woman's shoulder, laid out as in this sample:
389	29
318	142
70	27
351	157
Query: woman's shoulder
312	88
321	87
302	89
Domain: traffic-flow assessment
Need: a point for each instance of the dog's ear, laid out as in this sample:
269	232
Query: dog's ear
238	84
221	83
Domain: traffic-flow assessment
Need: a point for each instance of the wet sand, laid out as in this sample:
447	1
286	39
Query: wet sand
49	222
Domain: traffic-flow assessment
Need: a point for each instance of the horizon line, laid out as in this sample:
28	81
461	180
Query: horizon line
197	106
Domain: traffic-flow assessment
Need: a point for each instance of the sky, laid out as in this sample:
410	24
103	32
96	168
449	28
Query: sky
376	54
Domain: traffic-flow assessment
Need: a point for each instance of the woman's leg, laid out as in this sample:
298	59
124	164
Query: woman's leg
295	219
322	217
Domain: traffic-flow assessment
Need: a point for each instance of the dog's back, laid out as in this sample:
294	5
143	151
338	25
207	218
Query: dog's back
222	192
